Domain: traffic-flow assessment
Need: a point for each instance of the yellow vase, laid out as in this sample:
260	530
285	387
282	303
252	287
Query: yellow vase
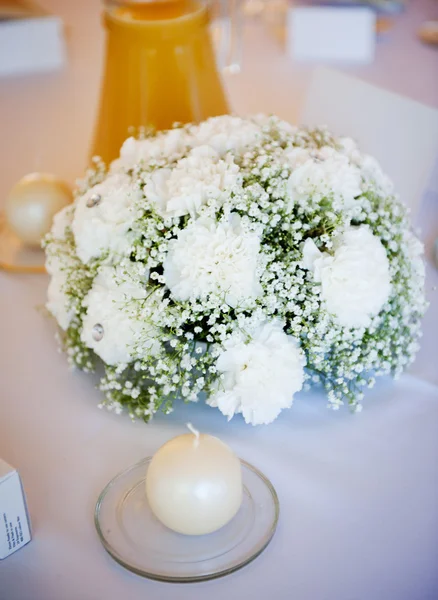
160	69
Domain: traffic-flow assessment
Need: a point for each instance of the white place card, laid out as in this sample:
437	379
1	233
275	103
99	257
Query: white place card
401	133
14	520
31	41
331	34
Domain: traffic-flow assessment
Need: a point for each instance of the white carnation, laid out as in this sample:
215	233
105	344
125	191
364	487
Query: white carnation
58	265
272	122
58	304
196	179
165	145
226	133
349	147
371	170
260	376
109	303
298	156
214	258
355	280
61	221
323	173
105	226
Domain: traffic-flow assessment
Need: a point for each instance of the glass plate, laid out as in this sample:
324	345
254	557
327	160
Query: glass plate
138	541
15	256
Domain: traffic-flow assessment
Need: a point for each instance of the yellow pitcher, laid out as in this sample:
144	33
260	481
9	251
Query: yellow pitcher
160	66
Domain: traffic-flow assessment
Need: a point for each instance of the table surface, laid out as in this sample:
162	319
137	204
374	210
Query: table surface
358	494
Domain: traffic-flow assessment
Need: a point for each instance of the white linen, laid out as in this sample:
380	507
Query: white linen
400	133
358	494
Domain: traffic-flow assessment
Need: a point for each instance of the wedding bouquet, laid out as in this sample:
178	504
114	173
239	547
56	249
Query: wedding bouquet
243	259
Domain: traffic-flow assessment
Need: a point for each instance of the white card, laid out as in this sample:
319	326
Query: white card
401	133
331	34
14	520
31	45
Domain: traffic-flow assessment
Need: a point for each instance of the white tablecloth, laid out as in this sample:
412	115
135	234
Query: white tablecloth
358	494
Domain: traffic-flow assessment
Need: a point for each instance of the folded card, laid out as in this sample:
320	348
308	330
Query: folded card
401	133
14	520
331	34
31	40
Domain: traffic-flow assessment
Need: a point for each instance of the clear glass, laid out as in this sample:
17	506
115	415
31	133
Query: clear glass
160	67
15	256
138	541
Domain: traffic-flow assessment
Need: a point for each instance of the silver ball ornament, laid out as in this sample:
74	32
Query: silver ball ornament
94	200
97	332
32	203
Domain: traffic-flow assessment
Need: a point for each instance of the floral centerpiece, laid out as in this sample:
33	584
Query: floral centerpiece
241	258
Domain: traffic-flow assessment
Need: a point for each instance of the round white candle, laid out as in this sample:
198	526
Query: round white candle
194	484
32	204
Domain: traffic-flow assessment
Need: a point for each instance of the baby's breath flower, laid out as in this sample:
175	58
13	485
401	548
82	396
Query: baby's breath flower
220	257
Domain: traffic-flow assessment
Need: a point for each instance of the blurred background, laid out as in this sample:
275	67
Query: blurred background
53	57
47	118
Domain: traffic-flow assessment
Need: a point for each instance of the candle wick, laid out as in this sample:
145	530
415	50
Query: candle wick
195	433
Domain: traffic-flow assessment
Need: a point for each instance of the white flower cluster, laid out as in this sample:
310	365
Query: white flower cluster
108	304
354	278
260	375
214	258
242	258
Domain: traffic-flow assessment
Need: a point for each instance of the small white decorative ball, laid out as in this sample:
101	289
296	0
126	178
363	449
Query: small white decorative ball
32	204
194	484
